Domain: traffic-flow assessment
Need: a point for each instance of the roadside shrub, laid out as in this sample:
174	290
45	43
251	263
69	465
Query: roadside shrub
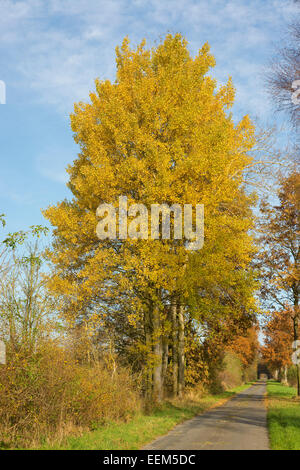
46	395
232	373
292	376
250	373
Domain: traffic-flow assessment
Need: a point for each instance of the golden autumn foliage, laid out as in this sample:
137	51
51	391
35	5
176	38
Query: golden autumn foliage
161	133
246	347
48	395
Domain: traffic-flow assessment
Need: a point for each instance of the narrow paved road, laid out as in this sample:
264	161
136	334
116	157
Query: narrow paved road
239	424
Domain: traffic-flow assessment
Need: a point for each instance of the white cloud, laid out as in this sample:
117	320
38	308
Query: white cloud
56	49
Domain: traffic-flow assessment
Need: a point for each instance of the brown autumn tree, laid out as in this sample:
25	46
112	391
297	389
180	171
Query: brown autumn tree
246	346
280	253
277	349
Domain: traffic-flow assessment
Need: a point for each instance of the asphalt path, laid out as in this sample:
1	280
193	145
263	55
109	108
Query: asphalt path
239	424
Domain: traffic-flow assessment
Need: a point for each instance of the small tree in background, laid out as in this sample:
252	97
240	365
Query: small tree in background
277	348
25	304
284	72
280	255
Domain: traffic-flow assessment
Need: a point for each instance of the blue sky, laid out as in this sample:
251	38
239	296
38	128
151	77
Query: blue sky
51	52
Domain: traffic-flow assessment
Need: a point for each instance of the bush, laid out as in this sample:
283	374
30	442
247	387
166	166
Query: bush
46	395
292	376
232	373
250	373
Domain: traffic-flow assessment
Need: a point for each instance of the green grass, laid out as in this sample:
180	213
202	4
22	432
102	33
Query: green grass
142	429
283	417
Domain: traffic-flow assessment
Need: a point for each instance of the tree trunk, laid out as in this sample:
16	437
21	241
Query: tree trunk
296	337
157	350
165	358
298	380
149	371
174	348
283	375
181	358
285	370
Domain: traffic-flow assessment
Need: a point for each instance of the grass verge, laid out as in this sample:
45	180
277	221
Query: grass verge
283	417
142	429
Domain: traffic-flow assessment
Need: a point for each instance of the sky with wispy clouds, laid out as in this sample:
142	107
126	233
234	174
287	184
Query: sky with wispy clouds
52	50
